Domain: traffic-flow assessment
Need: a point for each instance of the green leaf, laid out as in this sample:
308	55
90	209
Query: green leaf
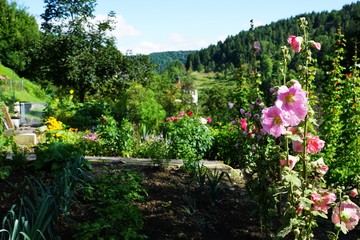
292	178
319	214
285	231
295	137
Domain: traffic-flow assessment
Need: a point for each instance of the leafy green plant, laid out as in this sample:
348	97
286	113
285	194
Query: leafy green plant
55	155
112	196
39	209
115	140
13	227
214	178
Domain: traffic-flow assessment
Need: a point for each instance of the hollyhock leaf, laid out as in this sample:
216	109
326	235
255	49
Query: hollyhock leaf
285	231
295	137
319	214
292	178
343	229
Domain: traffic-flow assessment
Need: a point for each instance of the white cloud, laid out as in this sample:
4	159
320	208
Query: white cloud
122	28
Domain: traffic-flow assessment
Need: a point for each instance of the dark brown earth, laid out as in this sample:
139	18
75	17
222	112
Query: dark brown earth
175	208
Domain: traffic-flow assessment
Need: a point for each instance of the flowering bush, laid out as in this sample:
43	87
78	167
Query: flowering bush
188	136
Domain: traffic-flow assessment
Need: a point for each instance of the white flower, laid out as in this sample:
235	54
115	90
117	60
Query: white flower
203	120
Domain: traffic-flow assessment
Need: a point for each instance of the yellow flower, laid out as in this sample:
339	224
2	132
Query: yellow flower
53	124
71	91
57	100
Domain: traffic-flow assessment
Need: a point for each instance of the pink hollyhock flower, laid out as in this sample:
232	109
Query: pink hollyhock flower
322	202
295	43
209	120
317	45
181	114
243	124
314	144
347	214
353	192
292	161
257	46
315	197
292	99
274	121
320	166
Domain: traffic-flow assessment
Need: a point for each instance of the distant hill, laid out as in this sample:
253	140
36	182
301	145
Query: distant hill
164	59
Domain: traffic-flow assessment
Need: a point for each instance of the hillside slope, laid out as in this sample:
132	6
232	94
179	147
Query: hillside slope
16	89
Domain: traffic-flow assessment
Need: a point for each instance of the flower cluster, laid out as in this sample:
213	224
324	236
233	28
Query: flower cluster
289	109
189	114
53	124
91	137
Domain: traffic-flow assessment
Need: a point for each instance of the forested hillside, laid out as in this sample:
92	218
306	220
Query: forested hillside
164	59
235	51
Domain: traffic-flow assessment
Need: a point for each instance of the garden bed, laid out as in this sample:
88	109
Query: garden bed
172	207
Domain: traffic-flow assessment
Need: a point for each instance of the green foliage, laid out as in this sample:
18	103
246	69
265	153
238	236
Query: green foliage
225	145
115	140
153	147
82	116
56	154
140	107
188	137
75	53
340	127
115	216
19	32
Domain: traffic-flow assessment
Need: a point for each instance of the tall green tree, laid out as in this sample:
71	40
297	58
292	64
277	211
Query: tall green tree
18	34
76	53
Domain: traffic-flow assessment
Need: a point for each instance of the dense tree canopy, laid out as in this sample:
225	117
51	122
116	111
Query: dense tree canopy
18	34
234	51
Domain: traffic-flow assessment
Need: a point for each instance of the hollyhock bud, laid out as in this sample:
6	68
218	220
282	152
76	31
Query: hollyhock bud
353	192
292	161
243	124
317	45
320	166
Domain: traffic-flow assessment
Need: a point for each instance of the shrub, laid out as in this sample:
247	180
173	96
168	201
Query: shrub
187	135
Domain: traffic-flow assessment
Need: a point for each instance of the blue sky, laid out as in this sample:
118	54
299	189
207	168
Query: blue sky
145	26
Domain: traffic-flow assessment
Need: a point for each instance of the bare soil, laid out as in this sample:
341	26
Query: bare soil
176	208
